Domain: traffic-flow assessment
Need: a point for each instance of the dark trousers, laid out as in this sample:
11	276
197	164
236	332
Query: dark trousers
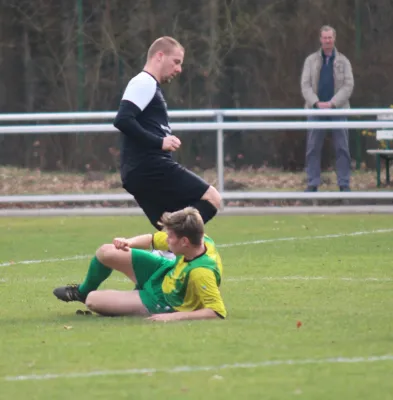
315	140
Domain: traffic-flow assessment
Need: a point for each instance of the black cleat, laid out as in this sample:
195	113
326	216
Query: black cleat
69	293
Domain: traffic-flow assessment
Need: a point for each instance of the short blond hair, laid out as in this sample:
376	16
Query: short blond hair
185	223
326	28
164	44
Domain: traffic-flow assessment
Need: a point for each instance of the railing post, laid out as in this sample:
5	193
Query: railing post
358	139
220	154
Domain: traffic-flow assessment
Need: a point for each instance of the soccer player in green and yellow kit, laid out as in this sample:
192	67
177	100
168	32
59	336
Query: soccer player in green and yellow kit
166	290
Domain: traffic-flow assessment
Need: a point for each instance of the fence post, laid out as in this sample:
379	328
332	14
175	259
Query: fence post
220	154
358	149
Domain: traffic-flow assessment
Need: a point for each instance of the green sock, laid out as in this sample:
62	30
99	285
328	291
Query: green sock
96	274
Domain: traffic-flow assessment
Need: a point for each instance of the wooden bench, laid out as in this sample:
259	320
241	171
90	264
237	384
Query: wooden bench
385	154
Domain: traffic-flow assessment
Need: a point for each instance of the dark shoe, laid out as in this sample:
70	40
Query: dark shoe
312	189
345	189
69	293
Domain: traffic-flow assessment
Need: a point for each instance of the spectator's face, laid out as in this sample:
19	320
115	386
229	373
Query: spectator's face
327	40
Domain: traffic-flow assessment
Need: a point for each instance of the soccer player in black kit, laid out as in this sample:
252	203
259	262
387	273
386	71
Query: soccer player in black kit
148	171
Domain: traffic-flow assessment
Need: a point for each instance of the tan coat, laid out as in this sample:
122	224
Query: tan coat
343	79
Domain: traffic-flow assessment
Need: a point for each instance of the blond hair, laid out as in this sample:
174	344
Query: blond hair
326	28
185	223
164	44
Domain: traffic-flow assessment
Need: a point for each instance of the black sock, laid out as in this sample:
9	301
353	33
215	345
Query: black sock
206	209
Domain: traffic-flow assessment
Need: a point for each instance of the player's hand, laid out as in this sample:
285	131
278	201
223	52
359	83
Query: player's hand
121	244
163	317
171	143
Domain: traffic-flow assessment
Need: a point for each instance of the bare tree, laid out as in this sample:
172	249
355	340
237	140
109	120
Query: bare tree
59	55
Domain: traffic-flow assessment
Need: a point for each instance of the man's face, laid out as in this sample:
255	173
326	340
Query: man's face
171	64
327	39
176	245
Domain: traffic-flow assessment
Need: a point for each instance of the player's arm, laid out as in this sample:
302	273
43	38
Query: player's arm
202	283
205	313
137	96
156	241
136	242
159	241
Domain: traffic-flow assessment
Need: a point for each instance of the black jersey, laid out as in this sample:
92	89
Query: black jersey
143	120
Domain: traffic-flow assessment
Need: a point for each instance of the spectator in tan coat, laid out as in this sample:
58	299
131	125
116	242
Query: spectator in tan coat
327	82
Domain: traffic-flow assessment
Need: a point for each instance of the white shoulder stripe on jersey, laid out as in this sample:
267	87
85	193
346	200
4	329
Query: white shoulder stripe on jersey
140	90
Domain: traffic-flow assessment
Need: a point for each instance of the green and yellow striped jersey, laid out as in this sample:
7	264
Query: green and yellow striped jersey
193	284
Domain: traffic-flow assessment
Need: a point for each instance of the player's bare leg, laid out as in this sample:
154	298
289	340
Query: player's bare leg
116	303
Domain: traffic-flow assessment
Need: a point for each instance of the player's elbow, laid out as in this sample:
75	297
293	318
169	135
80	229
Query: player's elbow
120	123
212	314
124	124
125	117
116	122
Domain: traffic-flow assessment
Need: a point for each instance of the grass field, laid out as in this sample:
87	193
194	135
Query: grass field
331	273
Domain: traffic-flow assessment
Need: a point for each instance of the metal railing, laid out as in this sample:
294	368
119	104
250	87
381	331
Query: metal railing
252	112
219	126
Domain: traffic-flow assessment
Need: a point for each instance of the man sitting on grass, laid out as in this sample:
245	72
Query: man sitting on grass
166	290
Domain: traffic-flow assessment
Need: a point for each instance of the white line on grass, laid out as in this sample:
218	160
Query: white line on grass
235	279
240	279
225	245
46	260
304	278
295	238
195	368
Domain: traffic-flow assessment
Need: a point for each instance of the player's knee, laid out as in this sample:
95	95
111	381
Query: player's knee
206	208
213	196
105	252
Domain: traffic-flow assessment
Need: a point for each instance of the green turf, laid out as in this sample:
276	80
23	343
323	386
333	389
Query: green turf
340	288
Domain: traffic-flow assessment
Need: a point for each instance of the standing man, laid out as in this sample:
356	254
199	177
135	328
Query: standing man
327	82
148	171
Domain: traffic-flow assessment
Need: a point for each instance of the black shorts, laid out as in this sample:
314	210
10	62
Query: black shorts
167	189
